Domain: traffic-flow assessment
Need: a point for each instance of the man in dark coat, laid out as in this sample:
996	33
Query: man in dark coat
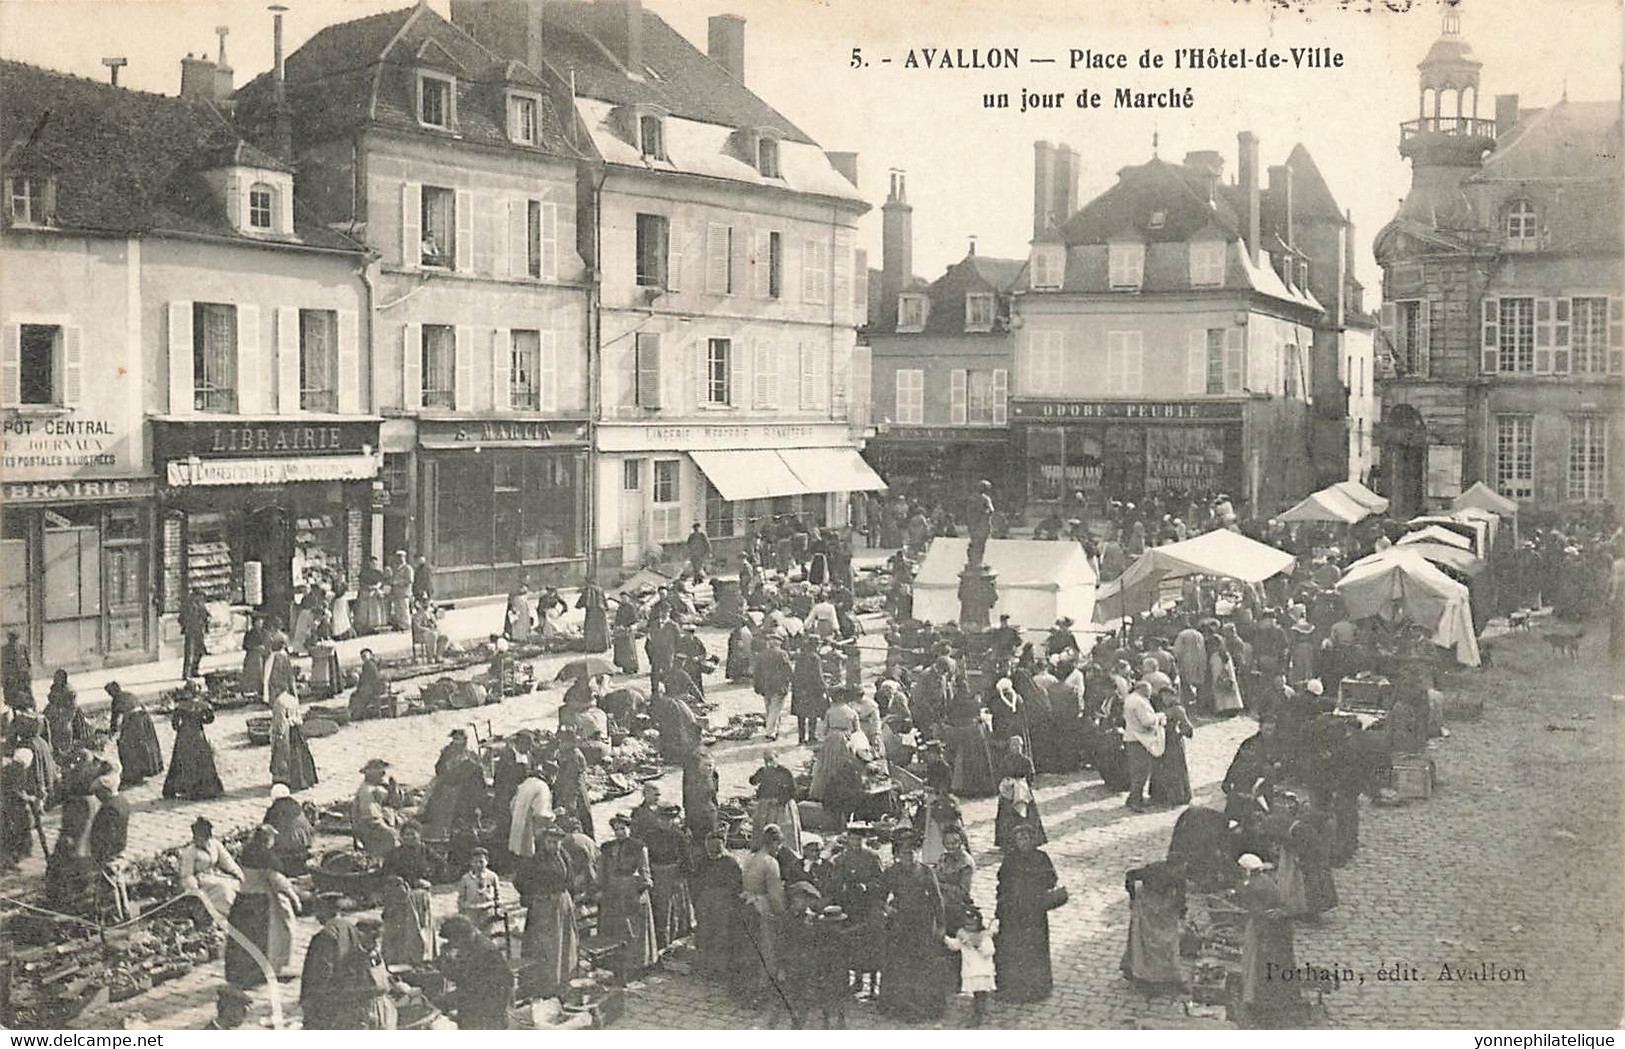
483	982
698	549
661	645
16	673
772	681
194	629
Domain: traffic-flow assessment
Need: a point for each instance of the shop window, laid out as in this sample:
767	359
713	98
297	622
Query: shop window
466	507
524	375
632	475
654	232
318	361
439	365
439	218
718	372
214	357
667	516
1046	461
719	514
1515	456
1588	457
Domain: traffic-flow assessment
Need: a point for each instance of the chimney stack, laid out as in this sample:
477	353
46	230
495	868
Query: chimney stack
845	163
535	57
1043	187
896	240
1209	164
1247	176
971	251
725	43
197	78
1065	191
222	72
284	120
618	25
115	64
1506	114
1281	202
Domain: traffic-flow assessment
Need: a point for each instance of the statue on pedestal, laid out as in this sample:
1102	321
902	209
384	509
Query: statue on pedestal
977	592
980	520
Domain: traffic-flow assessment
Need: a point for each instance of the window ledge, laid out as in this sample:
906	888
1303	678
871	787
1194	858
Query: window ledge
39	409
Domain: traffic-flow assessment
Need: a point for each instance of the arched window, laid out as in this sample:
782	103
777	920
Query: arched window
261	206
1521	222
651	138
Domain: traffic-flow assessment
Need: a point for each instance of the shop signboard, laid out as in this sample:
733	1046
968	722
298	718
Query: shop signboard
63	444
1148	411
79	491
261	439
453	434
684	437
192	472
945	434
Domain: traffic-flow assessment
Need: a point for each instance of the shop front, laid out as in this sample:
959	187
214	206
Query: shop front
255	510
499	500
945	464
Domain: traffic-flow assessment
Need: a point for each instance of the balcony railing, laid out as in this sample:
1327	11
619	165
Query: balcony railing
1465	126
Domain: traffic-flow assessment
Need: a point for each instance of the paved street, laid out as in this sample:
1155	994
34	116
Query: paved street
1514	862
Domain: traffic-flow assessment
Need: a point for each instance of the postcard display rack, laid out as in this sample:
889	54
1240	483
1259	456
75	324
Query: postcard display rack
209	570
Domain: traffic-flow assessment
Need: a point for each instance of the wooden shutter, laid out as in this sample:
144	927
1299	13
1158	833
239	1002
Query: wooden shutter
761	264
1196	362
11	365
841	281
1385	329
718	250
252	389
412	367
1616	335
1543	336
738	383
1001	397
287	360
349	349
464	248
517	250
1490	342
676	241
550	240
411	225
860	288
236	200
900	394
73	365
463	371
547	371
698	364
1114	362
1235	359
958	382
1562	319
501	369
1431	320
647	384
485	237
181	382
767	375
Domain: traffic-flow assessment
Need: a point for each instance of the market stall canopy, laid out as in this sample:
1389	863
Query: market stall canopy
764	473
1220	553
1327	505
1475	529
1038	581
1400	582
832	470
1483	497
1362	495
1437	534
1448	556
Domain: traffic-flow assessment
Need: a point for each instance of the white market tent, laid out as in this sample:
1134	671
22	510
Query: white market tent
1038	581
1436	534
1464	523
1402	582
1362	495
1221	553
1328	506
1482	497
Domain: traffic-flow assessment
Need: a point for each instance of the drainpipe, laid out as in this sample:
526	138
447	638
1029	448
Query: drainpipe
595	349
364	275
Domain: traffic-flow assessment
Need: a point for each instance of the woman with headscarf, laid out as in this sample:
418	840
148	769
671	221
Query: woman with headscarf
279	674
1135	546
1267	1001
1226	686
717	884
840	721
624	637
623	905
1170	775
740	644
1026	893
294	833
69	731
911	984
1018	805
543	883
809	698
138	753
408	937
44	773
192	772
343	985
262	912
291	760
518	619
1156	909
775	801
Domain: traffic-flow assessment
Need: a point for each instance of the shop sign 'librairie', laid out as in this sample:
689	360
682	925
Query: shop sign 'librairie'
232	439
1145	410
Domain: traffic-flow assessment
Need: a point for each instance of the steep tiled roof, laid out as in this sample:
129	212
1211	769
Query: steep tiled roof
1568	140
1127	207
1311	197
127	161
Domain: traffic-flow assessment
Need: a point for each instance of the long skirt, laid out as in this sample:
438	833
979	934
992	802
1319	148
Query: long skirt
343	622
1307	888
138	749
291	761
1345	826
832	753
785	814
1021	959
972	761
1007	820
738	666
624	911
1110	759
625	653
1266	1001
912	983
1152	954
1170	777
252	681
267	921
673	909
1226	687
192	773
719	934
304	621
550	940
370	614
16	829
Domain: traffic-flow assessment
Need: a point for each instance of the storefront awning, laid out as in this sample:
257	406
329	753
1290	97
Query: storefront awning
183	473
753	474
832	470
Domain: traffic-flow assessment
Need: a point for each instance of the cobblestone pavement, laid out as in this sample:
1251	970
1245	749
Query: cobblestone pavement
1514	863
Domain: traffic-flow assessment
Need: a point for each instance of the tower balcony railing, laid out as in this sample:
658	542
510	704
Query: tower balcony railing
1466	127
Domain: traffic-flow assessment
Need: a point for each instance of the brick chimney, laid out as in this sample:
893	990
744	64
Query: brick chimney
1043	187
1281	201
1506	114
197	79
896	240
845	163
535	55
284	118
1209	164
1247	180
1065	192
618	25
725	43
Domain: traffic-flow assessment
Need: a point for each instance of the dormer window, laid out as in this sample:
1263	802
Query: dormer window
1127	266
911	313
1207	264
524	120
767	157
261	207
979	311
1159	219
32	200
1048	267
437	100
1521	230
651	137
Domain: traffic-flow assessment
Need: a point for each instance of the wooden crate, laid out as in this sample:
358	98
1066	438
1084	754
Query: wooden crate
1413	778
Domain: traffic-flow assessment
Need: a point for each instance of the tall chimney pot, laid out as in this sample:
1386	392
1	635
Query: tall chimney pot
896	240
1506	114
1043	187
725	42
1247	175
284	119
1064	195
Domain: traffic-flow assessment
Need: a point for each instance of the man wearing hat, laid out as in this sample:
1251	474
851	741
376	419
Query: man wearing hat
1142	740
482	983
231	1005
374	825
772	682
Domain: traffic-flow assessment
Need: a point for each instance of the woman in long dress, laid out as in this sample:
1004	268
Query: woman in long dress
624	638
809	698
956	874
543	883
291	760
1018	806
408	937
1222	678
775	802
700	790
595	618
548	606
294	833
1026	878
762	887
840	721
69	731
738	664
1170	775
967	734
1156	907
911	984
343	622
1305	871
518	620
251	682
206	867
1267	950
192	773
263	911
625	880
138	753
717	884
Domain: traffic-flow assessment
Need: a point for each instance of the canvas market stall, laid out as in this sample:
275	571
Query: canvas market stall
1401	582
1327	506
1362	495
1220	553
1038	581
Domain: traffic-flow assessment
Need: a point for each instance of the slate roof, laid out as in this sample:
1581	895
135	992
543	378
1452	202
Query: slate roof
1311	197
1126	208
974	274
130	162
1565	141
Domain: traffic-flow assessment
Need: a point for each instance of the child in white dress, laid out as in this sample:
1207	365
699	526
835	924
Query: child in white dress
974	942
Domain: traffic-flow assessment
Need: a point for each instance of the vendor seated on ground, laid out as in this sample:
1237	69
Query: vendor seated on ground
426	632
370	691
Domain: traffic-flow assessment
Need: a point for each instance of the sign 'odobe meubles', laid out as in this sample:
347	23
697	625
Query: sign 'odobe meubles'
238	439
1146	410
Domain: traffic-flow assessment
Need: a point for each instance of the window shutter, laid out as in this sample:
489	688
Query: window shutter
550	240
1196	362
501	369
860	288
647	388
411	225
548	371
1543	336
11	365
717	250
1114	362
900	393
463	360
284	208
841	282
73	365
702	392
738	381
1235	359
1490	344
1421	353
516	245
236	208
252	389
1385	328
485	239
676	240
287	360
349	362
767	375
464	247
412	367
958	383
181	381
1616	335
1001	397
761	264
1561	324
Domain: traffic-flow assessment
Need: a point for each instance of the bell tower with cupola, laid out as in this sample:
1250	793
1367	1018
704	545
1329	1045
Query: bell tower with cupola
1447	130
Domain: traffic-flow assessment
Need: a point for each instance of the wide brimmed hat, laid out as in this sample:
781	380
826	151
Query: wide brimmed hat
374	763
